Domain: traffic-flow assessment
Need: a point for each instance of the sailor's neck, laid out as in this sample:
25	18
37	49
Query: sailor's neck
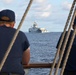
7	25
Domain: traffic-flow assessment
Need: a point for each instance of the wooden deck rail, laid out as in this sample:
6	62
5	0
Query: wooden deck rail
38	65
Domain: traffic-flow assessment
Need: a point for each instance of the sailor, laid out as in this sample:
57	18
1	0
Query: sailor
20	52
70	68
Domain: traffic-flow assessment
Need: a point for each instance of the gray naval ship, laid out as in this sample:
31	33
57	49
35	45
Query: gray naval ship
36	29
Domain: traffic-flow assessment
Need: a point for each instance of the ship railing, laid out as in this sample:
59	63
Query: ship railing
38	65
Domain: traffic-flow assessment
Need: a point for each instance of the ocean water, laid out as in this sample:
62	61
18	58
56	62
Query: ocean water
43	49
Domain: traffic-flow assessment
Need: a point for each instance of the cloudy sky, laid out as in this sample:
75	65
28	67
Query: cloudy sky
49	14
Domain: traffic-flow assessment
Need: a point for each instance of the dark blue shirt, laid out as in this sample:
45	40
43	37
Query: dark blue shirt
71	63
13	62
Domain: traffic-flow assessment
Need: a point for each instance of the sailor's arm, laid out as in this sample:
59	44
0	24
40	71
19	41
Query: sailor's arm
26	56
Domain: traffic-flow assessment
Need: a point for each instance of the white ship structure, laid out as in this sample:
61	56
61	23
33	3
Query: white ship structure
36	29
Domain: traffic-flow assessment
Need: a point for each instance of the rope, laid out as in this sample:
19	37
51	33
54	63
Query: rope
63	47
15	35
60	43
69	49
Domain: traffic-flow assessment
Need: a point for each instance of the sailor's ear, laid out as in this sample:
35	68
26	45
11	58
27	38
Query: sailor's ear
12	25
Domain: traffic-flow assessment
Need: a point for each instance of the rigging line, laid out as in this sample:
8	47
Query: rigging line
15	35
64	45
68	50
60	43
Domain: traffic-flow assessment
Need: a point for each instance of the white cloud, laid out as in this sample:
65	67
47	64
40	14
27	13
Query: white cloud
45	14
39	1
48	7
7	1
42	14
66	5
42	8
43	11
